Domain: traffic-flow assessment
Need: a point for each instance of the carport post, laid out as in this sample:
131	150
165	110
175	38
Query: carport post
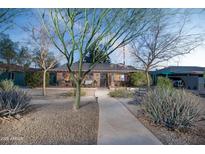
96	99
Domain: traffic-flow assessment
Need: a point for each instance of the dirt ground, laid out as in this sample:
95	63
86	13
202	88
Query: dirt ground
52	121
196	136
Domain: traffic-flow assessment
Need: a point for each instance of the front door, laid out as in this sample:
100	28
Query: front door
103	79
53	80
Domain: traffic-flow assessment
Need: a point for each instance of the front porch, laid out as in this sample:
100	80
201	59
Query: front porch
93	79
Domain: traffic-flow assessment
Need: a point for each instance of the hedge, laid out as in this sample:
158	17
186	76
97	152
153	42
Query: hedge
35	79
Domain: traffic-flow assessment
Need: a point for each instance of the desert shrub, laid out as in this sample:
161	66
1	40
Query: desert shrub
172	108
13	102
7	85
124	93
138	79
163	82
73	93
35	79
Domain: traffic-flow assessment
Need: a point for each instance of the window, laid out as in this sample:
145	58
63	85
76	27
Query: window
90	76
66	76
122	77
11	75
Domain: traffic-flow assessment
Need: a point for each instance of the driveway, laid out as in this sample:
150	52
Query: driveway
117	126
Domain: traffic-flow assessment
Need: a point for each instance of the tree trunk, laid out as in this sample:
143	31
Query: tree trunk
44	83
147	78
8	69
77	96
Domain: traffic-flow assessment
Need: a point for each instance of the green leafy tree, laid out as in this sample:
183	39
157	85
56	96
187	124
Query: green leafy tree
138	79
74	31
164	82
8	49
90	58
35	79
23	57
8	52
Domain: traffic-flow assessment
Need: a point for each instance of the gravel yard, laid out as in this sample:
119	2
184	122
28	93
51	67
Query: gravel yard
194	137
58	92
52	121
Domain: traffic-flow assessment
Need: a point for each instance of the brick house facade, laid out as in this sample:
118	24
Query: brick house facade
102	75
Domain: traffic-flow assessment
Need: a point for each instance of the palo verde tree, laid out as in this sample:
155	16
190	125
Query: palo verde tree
75	31
7	16
165	38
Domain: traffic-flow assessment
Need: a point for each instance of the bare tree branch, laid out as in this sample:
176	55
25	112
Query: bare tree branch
164	40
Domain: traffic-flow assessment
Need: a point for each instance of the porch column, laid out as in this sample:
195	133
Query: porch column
96	77
112	83
59	78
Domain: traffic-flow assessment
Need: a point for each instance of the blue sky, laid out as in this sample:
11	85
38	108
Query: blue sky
196	24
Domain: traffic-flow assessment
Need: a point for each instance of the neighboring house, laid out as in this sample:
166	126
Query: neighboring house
189	77
102	75
15	73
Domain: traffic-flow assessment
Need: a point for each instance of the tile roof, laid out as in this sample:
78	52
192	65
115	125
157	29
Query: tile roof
16	68
102	67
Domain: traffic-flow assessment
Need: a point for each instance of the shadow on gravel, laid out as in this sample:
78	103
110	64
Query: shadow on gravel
136	101
32	108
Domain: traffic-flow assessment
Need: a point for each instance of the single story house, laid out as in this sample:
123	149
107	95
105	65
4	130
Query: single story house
189	77
15	73
102	75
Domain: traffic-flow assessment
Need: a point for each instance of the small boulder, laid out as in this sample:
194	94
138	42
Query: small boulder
18	116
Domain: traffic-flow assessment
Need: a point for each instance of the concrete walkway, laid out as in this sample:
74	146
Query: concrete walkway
118	126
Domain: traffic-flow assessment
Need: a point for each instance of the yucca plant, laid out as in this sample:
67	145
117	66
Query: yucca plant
172	108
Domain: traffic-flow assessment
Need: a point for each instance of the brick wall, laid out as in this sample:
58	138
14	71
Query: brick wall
114	79
59	76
